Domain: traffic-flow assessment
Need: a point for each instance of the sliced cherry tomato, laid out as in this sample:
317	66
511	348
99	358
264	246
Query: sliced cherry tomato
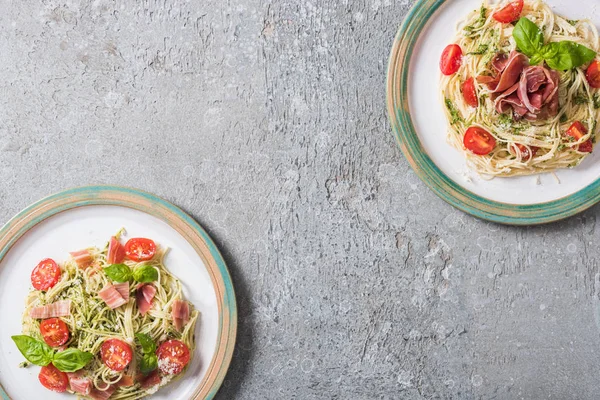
53	379
45	275
140	249
116	354
54	331
577	131
451	59
479	141
525	151
593	74
510	13
470	93
116	251
173	356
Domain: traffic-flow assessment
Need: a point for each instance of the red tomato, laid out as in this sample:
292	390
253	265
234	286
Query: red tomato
45	274
116	354
54	331
116	252
140	249
470	93
577	131
525	154
451	59
173	356
593	74
479	141
510	13
53	379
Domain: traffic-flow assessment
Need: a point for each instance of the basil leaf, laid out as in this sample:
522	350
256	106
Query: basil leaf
118	272
71	359
529	37
566	55
148	345
148	363
145	273
35	351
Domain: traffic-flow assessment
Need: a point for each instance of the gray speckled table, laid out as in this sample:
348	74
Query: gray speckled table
266	121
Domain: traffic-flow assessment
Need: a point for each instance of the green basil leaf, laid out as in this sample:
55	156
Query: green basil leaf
529	37
566	55
71	359
118	272
35	351
145	273
148	363
148	345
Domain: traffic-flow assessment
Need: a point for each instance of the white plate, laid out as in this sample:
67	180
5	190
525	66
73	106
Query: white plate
92	225
432	126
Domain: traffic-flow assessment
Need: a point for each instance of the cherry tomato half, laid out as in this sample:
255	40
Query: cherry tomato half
470	93
45	275
116	354
451	59
593	74
479	141
54	331
140	249
510	13
173	356
527	152
53	379
577	131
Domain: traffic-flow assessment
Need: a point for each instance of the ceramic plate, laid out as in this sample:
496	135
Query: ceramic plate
417	116
82	217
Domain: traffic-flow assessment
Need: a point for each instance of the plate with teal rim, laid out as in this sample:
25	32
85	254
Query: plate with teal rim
87	216
416	113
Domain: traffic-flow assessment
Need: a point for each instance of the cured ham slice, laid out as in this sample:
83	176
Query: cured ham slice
180	313
125	381
509	72
79	383
144	296
83	258
112	297
97	394
116	251
58	309
123	289
149	381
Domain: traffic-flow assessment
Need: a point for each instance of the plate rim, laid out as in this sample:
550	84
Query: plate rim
407	139
175	217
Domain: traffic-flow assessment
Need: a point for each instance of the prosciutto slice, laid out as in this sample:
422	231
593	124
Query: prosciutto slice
116	252
112	297
97	394
509	71
525	91
83	258
58	309
79	383
144	296
509	100
180	312
123	289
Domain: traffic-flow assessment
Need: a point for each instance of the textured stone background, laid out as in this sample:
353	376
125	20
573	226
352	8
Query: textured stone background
266	121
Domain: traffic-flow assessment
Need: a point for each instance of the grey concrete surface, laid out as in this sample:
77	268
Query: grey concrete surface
266	121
